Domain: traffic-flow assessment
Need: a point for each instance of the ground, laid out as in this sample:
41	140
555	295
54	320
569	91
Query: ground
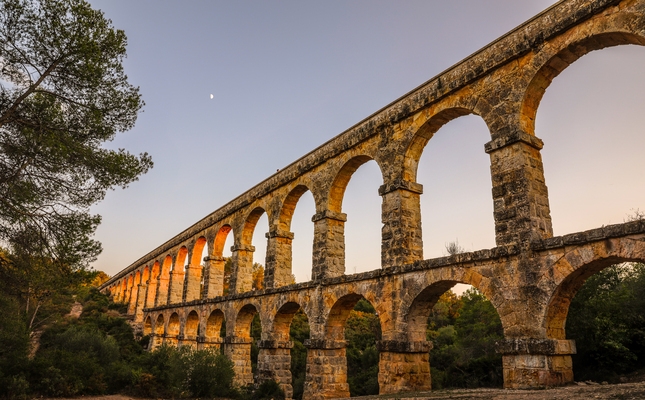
579	391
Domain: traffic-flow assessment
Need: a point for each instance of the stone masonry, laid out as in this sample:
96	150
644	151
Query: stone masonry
530	277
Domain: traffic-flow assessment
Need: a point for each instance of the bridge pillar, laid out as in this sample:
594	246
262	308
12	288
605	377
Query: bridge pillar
404	366
132	305
329	245
401	240
176	289
193	282
536	363
151	293
277	271
242	274
274	363
326	376
141	302
238	350
213	277
520	197
161	297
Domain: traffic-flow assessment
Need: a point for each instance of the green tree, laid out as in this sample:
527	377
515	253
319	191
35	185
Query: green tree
63	95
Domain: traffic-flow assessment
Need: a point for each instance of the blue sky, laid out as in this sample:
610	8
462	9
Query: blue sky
286	76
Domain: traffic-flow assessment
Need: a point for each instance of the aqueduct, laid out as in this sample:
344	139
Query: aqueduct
530	276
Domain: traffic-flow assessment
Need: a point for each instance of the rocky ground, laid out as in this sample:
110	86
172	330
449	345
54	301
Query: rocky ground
580	391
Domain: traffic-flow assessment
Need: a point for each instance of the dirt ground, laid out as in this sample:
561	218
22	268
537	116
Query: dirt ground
579	391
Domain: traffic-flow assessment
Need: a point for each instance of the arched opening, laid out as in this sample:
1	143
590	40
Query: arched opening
147	326
194	271
295	217
463	329
159	330
456	204
591	122
152	285
251	256
354	320
215	329
164	282
291	324
191	329
244	354
221	265
355	193
172	331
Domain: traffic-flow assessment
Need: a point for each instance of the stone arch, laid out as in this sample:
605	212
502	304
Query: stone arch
194	271
153	284
173	329
246	236
553	61
283	318
180	260
574	267
164	281
191	327
198	248
243	321
289	206
214	325
145	276
147	326
339	312
159	328
220	240
421	307
337	190
423	135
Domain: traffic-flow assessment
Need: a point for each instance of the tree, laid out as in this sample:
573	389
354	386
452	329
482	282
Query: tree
63	95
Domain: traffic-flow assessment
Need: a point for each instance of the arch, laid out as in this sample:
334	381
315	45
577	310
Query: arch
173	325
147	326
421	307
337	191
339	313
576	267
249	225
283	318
289	206
145	276
220	240
560	60
159	328
214	324
191	328
198	248
181	258
423	135
243	321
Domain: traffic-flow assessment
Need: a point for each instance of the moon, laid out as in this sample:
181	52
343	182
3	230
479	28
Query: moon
211	95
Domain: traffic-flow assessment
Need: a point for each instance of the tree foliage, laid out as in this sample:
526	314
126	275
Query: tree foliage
63	95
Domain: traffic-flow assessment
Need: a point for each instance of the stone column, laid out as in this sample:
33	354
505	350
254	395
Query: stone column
141	300
176	289
155	341
193	282
242	274
401	240
274	363
536	363
213	277
151	292
161	298
520	198
132	305
238	350
277	271
403	366
329	245
326	376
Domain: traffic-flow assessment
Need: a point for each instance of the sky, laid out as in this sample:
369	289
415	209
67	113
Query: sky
286	76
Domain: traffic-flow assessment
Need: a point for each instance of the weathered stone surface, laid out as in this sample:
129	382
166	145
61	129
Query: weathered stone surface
530	276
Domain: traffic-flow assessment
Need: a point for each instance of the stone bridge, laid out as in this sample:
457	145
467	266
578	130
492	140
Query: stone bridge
530	277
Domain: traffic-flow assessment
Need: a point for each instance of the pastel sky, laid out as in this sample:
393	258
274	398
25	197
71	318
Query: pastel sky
286	76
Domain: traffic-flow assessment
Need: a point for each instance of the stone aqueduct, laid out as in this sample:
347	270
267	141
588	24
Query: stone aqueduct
530	277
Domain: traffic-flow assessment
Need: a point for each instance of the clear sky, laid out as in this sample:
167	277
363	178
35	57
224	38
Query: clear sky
286	76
